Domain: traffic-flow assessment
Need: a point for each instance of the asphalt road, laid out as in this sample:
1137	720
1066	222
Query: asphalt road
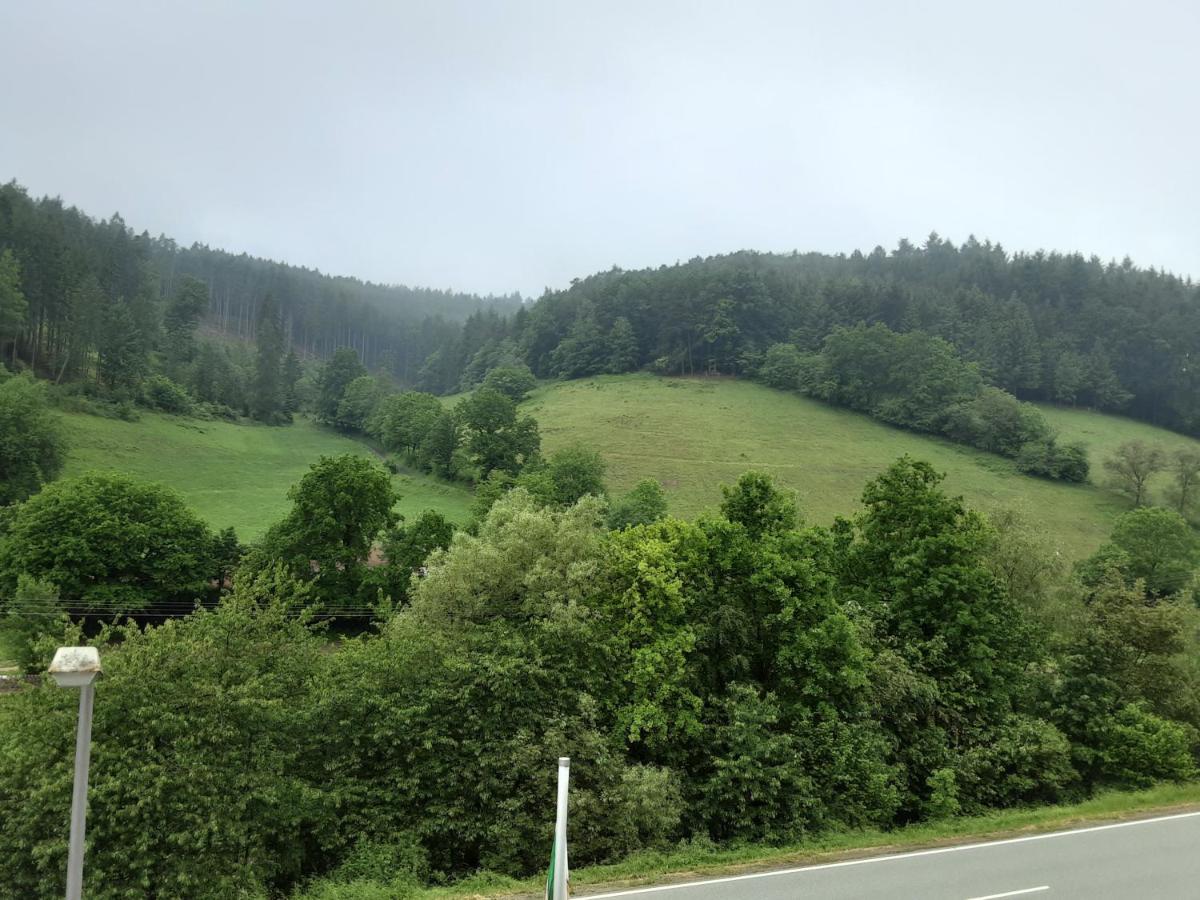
1154	859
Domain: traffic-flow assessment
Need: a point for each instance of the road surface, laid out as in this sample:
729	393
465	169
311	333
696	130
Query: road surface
1155	859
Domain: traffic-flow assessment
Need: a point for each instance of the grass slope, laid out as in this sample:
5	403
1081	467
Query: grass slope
233	474
695	434
1104	433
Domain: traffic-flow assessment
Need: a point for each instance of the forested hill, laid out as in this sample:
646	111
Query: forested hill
1044	326
85	281
323	312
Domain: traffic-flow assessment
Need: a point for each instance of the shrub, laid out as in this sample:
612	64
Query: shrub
401	859
995	421
197	784
1048	459
645	503
565	476
1025	760
780	367
1135	748
515	382
161	392
943	794
33	612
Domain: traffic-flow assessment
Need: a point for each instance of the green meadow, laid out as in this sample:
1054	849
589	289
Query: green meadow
1103	434
233	474
694	434
691	434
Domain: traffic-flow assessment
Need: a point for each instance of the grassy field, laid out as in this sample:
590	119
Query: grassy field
1103	434
690	434
695	434
689	863
232	474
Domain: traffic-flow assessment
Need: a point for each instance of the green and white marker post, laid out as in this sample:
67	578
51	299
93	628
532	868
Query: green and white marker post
557	880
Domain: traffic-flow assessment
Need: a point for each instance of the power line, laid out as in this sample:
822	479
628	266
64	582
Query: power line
51	609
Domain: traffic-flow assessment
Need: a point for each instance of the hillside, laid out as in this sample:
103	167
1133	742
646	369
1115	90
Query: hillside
232	474
1104	433
694	434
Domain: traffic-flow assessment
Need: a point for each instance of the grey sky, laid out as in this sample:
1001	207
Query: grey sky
511	146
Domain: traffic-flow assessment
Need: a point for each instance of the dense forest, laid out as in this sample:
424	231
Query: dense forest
89	299
1041	326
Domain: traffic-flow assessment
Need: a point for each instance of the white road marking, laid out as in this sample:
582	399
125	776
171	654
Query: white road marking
1044	887
982	845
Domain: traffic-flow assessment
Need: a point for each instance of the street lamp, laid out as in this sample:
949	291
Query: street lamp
78	667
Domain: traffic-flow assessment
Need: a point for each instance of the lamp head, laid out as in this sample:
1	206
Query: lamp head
75	666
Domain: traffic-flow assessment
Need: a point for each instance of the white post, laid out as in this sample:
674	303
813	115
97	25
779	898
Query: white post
559	872
83	755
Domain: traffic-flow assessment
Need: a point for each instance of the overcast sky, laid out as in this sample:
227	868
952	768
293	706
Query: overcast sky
494	147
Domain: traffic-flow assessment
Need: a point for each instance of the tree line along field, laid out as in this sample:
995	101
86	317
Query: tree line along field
233	474
693	434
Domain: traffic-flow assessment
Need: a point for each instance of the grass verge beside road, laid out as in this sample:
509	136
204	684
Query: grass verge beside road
687	863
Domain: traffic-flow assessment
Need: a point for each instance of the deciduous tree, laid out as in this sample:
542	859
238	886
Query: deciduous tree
1131	467
32	446
340	506
110	544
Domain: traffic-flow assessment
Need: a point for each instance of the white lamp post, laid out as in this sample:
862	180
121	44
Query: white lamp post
78	667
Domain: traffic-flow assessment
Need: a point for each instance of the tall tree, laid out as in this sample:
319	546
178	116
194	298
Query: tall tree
184	309
292	373
341	505
496	437
622	347
122	348
14	310
32	449
267	391
1149	544
360	401
956	646
334	378
645	503
565	476
1185	467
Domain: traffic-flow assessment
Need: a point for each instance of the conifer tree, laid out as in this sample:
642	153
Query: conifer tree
183	312
13	308
292	372
622	347
122	350
266	396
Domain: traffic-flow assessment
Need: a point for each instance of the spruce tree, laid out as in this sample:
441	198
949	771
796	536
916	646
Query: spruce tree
292	372
622	347
183	312
13	308
266	395
122	348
